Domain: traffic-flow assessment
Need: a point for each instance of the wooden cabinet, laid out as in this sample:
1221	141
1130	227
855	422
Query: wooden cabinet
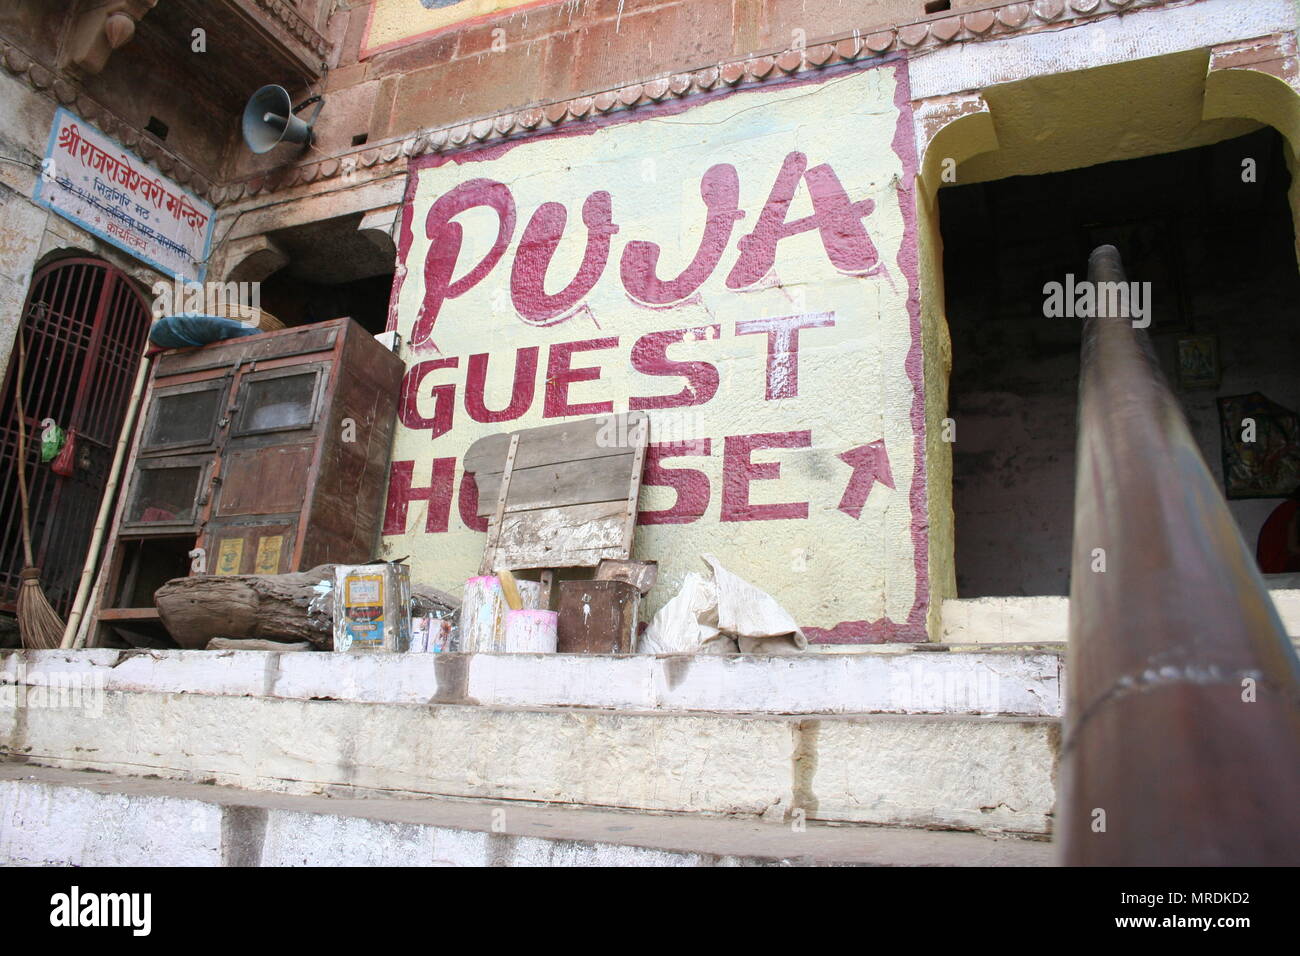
269	452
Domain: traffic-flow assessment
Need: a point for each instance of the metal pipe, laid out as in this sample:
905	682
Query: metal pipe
1182	731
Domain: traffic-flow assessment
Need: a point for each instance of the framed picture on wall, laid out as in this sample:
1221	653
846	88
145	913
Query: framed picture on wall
1151	250
1198	362
1261	447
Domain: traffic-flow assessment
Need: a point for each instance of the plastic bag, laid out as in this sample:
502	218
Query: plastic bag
65	461
52	438
185	331
721	614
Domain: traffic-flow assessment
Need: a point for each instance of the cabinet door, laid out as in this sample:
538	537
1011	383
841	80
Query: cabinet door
167	494
264	481
184	417
279	400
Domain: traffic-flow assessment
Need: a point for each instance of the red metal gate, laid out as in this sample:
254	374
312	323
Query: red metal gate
84	327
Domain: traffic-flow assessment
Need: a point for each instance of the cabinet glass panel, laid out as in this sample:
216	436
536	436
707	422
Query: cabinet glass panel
183	416
282	401
165	496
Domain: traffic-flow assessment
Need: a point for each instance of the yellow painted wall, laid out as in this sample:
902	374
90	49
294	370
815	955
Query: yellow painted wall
846	574
396	21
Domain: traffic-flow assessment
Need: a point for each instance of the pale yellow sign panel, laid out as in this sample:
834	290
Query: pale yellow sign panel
789	394
268	554
393	22
230	555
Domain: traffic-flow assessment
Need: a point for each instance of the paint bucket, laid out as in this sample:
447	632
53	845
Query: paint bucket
531	632
483	613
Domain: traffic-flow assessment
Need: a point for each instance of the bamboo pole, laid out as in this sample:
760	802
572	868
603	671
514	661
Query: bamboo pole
91	565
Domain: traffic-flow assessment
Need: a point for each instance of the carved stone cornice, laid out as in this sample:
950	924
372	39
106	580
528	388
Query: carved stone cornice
997	22
67	92
290	30
100	28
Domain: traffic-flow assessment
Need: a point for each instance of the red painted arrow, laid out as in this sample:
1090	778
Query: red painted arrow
870	463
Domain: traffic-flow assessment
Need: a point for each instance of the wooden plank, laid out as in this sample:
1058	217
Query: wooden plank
553	444
558	485
494	531
129	614
299	341
634	490
574	536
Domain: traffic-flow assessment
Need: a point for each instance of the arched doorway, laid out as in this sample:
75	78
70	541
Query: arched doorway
1155	113
83	326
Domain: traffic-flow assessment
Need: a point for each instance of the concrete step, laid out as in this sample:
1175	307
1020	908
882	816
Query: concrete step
881	678
75	818
710	742
1046	620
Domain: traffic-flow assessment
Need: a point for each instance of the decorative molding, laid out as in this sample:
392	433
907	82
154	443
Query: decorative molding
67	92
100	29
996	22
292	21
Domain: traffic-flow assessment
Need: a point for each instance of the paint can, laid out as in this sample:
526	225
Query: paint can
530	631
598	617
432	634
483	613
372	608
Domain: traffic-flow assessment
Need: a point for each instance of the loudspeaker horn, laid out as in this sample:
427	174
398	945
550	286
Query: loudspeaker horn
269	119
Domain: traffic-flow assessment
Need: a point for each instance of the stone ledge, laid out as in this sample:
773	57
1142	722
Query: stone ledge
70	818
900	679
974	773
1046	620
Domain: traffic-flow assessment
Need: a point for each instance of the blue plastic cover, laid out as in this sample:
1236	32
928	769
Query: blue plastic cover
184	331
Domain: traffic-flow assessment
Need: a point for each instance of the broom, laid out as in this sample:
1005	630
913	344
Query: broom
39	626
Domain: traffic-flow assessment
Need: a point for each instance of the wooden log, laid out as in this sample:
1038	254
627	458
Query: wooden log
253	644
270	607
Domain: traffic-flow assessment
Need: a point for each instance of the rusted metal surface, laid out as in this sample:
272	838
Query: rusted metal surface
1182	732
598	617
84	327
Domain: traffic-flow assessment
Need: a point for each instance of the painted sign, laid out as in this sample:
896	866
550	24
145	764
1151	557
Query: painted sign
394	22
89	179
740	266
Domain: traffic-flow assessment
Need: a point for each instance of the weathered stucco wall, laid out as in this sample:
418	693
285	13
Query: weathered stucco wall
29	233
782	369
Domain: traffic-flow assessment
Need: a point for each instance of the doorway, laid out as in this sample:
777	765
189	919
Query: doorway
1219	251
83	326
